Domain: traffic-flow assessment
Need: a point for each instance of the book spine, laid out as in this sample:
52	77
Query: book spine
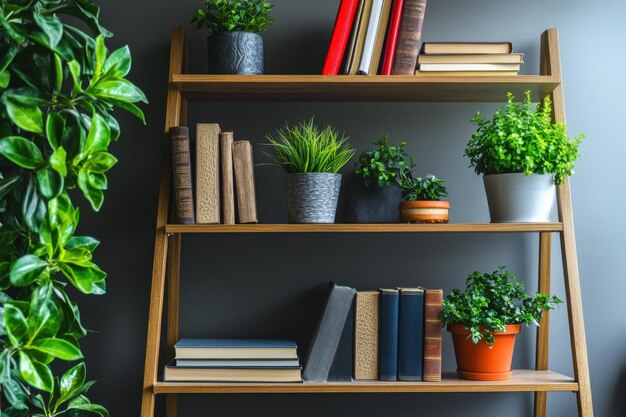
380	37
339	39
228	185
370	38
411	335
366	335
181	175
351	48
244	181
407	47
360	36
388	365
392	37
433	300
207	173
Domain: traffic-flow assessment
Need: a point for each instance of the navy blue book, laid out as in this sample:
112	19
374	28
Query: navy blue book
411	334
235	349
389	310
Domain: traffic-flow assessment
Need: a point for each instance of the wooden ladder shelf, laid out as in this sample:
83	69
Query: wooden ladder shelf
183	87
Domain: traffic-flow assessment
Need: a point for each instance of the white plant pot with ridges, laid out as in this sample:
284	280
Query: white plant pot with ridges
520	198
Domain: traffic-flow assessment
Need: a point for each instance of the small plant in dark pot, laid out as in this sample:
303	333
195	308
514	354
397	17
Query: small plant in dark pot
312	158
485	319
234	43
373	188
522	155
422	200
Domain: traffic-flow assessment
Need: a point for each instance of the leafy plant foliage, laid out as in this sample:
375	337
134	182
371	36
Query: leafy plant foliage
234	15
307	148
491	301
522	138
58	88
429	188
385	164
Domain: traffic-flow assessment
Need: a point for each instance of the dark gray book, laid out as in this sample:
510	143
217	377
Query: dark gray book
328	333
342	369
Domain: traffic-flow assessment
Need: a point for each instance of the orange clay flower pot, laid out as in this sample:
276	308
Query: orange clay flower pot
477	361
424	211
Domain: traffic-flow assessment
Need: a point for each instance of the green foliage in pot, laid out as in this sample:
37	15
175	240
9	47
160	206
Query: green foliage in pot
234	15
385	164
521	137
429	188
58	88
492	301
307	148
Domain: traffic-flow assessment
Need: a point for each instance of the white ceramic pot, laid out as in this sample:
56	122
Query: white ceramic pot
517	197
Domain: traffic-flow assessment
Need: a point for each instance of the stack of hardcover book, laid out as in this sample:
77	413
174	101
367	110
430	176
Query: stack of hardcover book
467	58
234	360
210	174
390	334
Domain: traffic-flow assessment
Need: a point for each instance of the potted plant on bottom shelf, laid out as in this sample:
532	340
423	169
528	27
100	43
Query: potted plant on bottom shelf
485	319
373	187
234	43
522	155
423	200
312	158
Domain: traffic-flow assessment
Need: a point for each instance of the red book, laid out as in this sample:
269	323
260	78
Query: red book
341	33
392	36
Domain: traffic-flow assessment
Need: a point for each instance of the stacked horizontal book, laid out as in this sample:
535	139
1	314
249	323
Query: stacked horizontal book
234	360
467	58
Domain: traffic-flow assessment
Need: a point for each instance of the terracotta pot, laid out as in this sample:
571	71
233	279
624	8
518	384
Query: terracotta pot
424	211
477	361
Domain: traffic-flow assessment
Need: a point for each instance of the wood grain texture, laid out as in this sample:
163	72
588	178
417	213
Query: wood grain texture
521	381
227	180
543	331
245	189
368	228
383	88
207	163
173	308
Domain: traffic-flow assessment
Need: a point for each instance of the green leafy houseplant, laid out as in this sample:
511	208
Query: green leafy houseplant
234	15
306	148
492	301
385	164
58	88
522	138
429	188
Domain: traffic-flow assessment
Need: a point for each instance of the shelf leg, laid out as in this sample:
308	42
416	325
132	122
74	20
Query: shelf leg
173	303
543	331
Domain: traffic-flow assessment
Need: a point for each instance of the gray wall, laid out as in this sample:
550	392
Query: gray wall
271	286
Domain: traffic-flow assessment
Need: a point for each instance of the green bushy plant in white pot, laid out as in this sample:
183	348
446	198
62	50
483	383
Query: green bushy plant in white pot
312	158
522	155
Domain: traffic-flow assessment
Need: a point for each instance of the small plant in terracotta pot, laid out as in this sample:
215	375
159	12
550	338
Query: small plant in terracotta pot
422	200
485	319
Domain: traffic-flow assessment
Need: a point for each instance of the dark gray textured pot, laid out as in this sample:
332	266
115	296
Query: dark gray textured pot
312	197
235	53
371	204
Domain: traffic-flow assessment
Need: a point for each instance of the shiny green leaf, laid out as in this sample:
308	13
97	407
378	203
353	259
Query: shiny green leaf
100	162
118	89
35	373
51	26
72	381
27	270
92	194
55	124
58	348
24	112
58	161
118	63
15	324
15	395
99	135
21	151
50	182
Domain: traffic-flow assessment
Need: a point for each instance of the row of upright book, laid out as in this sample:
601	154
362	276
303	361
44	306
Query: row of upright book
388	335
212	176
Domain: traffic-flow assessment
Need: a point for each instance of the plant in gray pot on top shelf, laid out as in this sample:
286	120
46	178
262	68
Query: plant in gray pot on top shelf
312	158
374	186
234	43
522	155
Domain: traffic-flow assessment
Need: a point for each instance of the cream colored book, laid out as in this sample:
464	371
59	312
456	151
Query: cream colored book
366	335
471	59
244	181
370	38
469	67
462	73
360	37
228	185
207	173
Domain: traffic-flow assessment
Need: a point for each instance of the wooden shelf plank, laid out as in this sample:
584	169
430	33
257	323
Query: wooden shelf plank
521	381
366	228
361	88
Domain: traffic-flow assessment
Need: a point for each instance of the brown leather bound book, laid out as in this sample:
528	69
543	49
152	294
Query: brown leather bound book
408	43
207	173
228	186
432	335
366	335
181	175
244	181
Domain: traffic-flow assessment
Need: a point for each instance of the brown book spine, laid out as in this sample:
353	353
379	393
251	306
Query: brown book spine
228	186
207	173
409	37
433	300
244	181
181	175
366	321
